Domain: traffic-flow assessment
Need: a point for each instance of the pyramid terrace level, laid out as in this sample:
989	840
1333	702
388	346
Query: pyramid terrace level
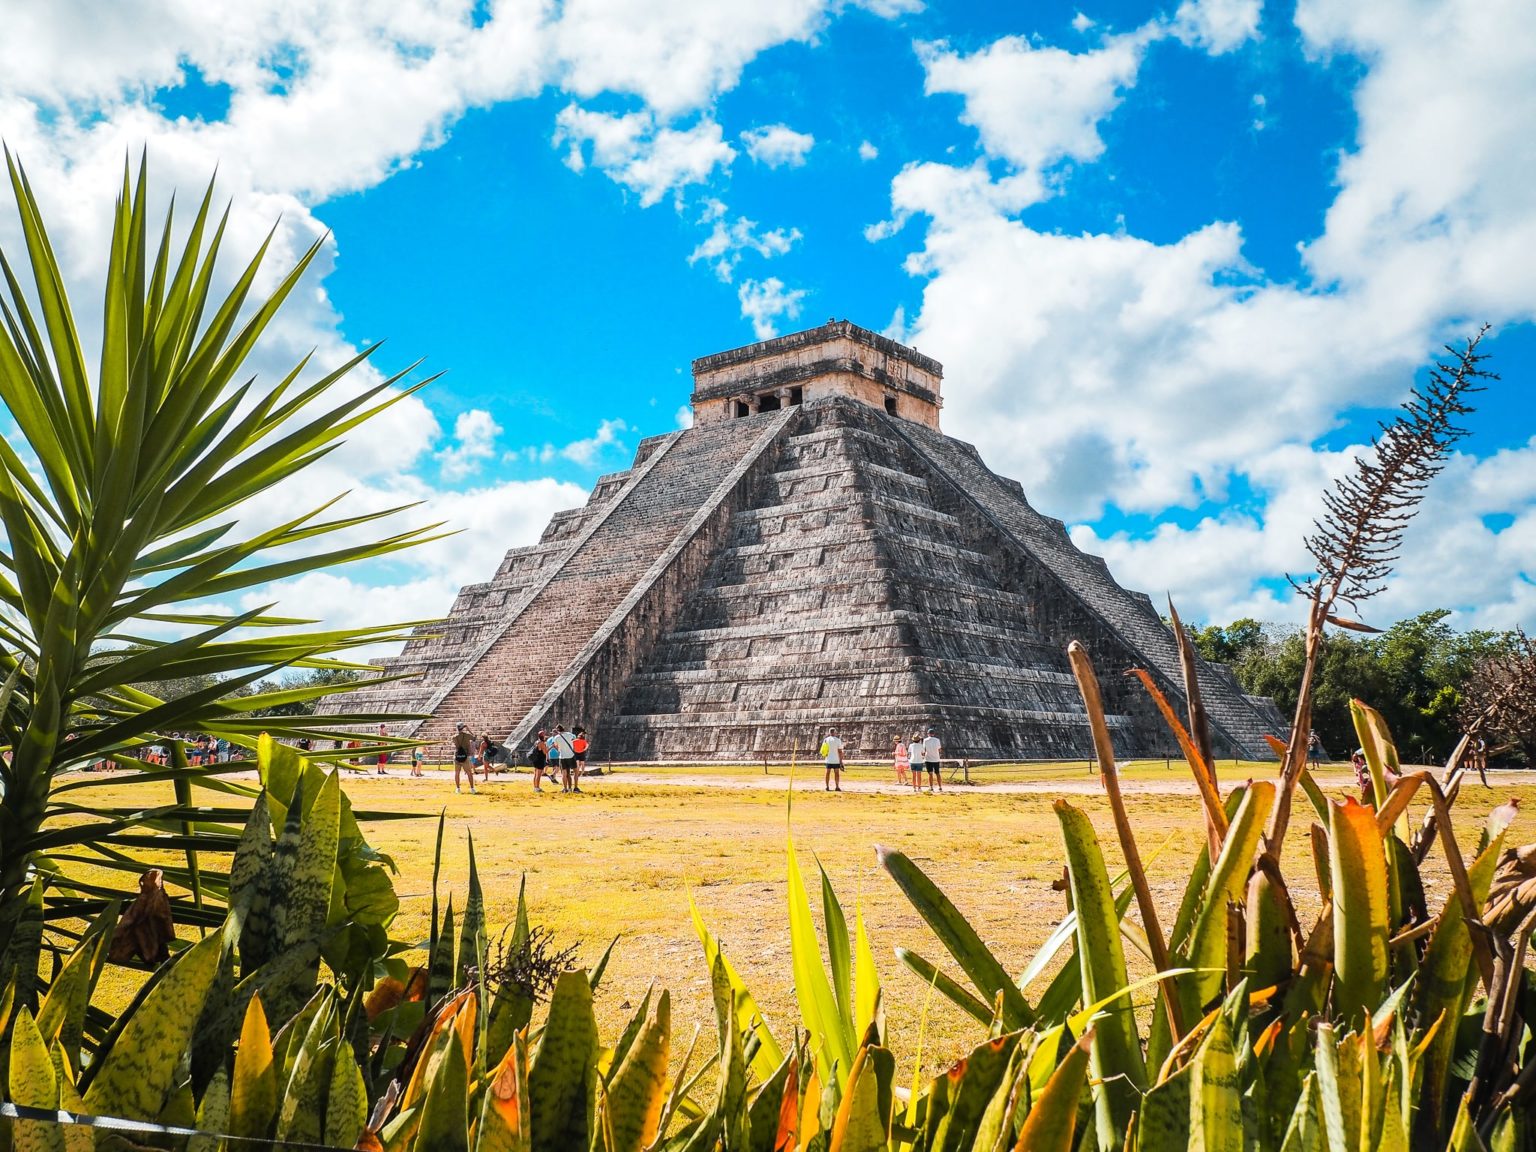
813	552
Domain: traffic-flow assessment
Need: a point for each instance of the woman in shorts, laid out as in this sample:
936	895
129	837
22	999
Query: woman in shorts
579	745
463	742
539	757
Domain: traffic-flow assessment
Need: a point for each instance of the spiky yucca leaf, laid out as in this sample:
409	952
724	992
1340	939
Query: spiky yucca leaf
120	504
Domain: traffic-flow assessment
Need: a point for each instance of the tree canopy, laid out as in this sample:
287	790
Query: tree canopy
1417	673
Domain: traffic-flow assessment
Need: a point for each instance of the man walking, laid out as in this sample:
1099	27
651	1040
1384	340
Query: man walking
832	749
931	753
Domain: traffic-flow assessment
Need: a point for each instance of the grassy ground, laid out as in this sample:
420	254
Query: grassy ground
623	858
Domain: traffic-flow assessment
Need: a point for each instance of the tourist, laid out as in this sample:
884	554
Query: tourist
486	752
383	752
931	752
462	743
1363	777
538	756
1314	749
579	745
832	749
417	756
903	761
915	754
563	748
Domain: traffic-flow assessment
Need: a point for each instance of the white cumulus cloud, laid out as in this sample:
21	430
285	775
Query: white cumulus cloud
635	151
475	433
1106	369
778	145
1034	105
766	302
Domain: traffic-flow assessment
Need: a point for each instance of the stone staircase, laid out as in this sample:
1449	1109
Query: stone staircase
1238	726
842	596
499	686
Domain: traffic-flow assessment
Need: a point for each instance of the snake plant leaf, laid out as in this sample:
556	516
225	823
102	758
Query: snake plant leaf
1215	1097
859	1126
954	931
505	1106
440	971
1163	1123
749	1018
303	898
982	1072
472	933
867	1003
1052	1117
212	1115
1357	860
775	1110
1305	1131
445	1103
561	1077
995	1131
610	1062
253	1092
33	1083
62	1015
346	1105
1447	980
819	1012
731	1073
137	1072
1118	1069
1338	1084
638	1089
839	955
309	1063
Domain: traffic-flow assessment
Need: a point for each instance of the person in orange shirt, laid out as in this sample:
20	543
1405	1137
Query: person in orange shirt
580	745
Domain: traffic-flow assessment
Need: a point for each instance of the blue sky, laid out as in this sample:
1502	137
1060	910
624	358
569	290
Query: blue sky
1177	259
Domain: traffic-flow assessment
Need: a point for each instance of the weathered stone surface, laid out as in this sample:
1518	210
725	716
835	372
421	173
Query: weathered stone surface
757	578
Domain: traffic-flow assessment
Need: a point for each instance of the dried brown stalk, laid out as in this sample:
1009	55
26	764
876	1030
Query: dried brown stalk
1358	538
1104	750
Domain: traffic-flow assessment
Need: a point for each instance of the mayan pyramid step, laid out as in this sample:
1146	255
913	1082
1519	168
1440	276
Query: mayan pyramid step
813	552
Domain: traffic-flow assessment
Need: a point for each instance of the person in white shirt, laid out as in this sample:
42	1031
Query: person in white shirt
931	752
833	750
562	747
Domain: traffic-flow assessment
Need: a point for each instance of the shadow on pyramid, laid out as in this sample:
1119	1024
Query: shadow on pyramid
814	552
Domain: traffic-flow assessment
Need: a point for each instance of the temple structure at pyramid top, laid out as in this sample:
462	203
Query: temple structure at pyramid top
837	359
813	552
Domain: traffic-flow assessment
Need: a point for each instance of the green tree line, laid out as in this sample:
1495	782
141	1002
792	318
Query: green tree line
1419	673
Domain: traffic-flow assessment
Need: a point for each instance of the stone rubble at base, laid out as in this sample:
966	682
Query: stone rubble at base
813	552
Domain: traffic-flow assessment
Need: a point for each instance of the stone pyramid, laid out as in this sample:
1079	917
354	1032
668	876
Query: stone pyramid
814	551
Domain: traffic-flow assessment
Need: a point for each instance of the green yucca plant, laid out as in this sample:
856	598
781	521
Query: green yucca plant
119	503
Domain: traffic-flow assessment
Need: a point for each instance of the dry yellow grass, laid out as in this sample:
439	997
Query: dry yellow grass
622	859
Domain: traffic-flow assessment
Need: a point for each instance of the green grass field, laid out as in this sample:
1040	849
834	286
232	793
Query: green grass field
623	858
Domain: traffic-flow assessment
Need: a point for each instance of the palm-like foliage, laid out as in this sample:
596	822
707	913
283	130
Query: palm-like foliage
120	501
